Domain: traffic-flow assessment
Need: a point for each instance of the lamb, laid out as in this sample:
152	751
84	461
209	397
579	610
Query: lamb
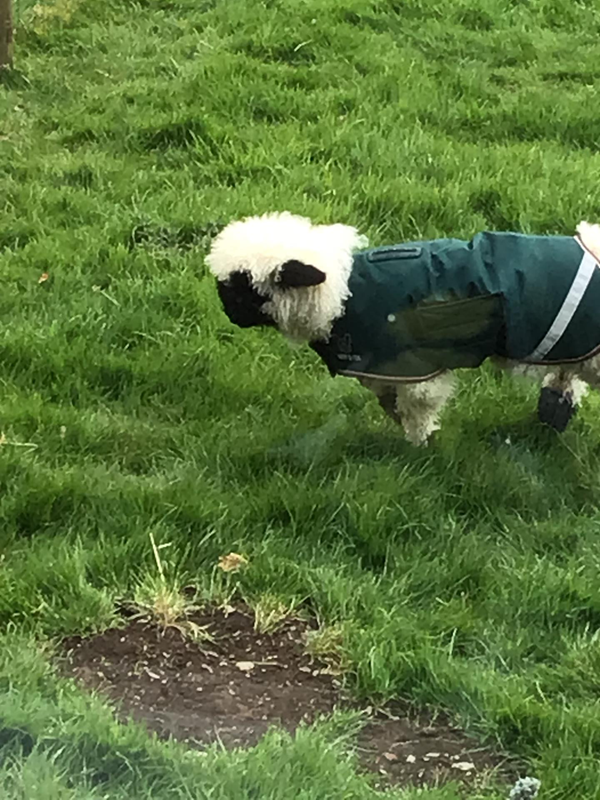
401	318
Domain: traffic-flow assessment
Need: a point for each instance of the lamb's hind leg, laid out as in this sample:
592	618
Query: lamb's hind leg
560	397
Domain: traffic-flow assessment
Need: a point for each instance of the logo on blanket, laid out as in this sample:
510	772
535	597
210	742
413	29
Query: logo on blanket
343	345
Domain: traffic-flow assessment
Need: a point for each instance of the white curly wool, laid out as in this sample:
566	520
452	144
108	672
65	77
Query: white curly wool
590	238
261	245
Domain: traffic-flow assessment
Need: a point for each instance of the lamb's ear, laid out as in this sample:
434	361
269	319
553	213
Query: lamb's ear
294	274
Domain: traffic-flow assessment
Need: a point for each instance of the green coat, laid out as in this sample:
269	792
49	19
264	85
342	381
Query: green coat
417	309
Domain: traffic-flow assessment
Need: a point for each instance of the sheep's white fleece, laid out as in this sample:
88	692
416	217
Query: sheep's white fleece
590	238
260	245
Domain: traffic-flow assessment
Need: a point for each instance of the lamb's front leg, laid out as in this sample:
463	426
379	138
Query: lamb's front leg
386	396
417	406
420	405
414	406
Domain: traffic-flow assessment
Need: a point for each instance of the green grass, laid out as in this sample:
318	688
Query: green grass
464	576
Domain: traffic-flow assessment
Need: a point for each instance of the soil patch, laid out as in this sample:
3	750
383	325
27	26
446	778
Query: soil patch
235	687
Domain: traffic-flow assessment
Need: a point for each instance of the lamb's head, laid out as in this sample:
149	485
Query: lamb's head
280	269
248	306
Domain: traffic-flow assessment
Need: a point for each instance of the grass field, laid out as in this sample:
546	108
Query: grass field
465	576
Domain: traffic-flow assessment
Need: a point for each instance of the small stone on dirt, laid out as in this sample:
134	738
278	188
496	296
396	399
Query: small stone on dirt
463	766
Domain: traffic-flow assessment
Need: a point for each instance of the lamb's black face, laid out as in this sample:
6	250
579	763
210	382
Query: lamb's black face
242	303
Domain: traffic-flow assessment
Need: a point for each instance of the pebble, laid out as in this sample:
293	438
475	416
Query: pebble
463	766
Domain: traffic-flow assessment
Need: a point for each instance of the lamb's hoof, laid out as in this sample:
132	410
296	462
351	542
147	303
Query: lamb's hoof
433	439
556	408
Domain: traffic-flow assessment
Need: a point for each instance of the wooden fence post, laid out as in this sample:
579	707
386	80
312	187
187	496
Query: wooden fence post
6	34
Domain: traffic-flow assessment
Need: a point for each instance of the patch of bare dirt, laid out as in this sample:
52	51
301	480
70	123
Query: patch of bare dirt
236	686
